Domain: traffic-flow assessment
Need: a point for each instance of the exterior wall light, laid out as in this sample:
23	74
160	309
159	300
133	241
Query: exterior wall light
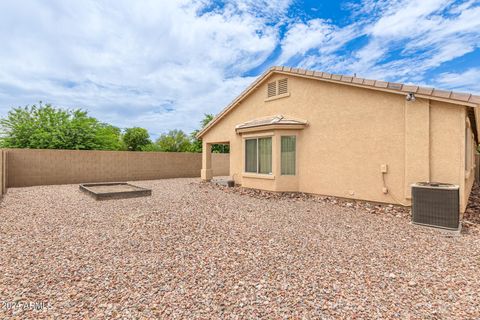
410	96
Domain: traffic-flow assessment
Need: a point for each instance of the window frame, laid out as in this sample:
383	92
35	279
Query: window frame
295	155
258	155
246	155
469	154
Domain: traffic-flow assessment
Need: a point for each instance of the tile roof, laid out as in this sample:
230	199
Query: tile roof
275	120
444	94
460	98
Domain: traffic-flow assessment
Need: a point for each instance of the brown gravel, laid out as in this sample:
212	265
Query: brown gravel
472	214
193	250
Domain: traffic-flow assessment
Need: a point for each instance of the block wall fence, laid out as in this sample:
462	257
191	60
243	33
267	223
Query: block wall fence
32	167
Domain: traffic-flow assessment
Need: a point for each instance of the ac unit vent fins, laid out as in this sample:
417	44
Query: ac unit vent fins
436	205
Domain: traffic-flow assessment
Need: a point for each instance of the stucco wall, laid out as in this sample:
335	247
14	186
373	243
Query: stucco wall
28	167
351	133
221	164
477	168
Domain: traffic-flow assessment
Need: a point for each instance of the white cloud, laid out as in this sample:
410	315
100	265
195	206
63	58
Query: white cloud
459	81
422	34
318	35
162	64
158	64
302	37
407	18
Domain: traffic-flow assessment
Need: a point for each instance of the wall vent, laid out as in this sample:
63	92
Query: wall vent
282	86
277	88
436	205
272	89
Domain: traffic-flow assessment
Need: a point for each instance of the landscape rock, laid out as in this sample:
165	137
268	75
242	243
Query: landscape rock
197	251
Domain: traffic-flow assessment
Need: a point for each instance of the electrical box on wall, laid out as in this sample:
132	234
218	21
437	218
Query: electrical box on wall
384	168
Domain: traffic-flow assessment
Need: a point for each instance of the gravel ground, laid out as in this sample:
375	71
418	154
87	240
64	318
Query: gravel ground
472	214
195	250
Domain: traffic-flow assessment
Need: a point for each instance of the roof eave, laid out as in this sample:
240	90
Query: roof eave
383	88
237	100
272	126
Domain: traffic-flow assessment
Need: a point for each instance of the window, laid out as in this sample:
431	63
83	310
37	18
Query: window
277	88
258	155
468	148
288	146
251	155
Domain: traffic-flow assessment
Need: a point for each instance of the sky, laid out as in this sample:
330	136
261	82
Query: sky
163	64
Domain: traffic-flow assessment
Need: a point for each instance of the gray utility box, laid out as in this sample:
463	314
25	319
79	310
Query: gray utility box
436	205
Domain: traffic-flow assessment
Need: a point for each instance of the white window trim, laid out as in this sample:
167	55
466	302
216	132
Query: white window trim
469	150
296	164
256	174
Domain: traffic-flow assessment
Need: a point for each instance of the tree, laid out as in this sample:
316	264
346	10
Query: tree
174	141
152	147
47	127
208	117
197	143
109	137
136	138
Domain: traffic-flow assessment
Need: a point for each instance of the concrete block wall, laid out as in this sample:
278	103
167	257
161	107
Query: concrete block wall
31	167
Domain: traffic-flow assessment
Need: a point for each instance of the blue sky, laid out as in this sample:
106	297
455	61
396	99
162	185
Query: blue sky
163	64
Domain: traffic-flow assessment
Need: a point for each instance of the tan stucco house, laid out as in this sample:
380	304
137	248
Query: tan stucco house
314	132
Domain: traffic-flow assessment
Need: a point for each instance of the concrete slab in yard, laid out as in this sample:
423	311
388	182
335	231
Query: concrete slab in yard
114	190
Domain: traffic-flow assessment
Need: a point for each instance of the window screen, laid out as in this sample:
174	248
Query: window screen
288	149
258	155
468	149
251	155
265	155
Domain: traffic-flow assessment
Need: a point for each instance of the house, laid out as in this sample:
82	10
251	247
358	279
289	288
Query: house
306	131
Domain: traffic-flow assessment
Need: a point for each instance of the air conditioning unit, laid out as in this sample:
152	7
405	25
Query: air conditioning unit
436	205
